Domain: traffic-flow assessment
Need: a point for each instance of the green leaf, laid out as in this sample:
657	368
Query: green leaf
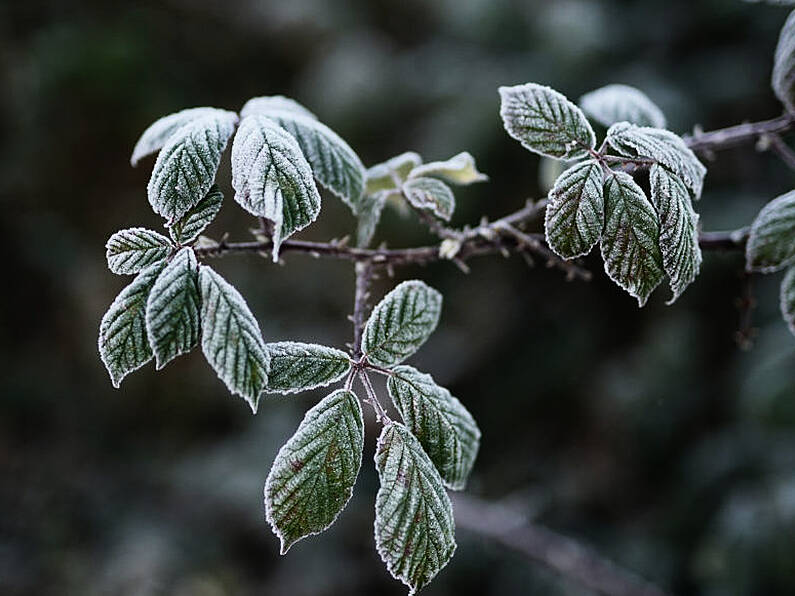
545	122
661	146
369	216
381	177
300	367
231	338
188	228
263	105
335	165
629	243
272	178
132	250
430	194
788	298
783	80
681	254
622	103
414	526
163	129
771	243
186	166
444	427
575	215
459	169
401	323
313	475
172	310
123	342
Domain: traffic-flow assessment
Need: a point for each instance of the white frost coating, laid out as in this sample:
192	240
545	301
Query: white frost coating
270	103
272	178
160	131
545	122
787	298
681	254
662	146
459	169
445	428
771	242
186	166
123	342
622	103
575	215
431	195
401	323
783	79
414	525
381	177
629	243
335	165
188	228
132	250
172	310
297	367
313	475
231	338
369	216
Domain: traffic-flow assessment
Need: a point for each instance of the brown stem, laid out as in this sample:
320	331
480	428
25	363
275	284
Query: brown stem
364	272
748	132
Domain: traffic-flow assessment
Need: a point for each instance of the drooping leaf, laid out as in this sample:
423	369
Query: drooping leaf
313	475
369	216
575	215
160	131
188	228
300	367
622	103
444	427
132	250
788	298
414	526
545	122
430	194
771	243
629	243
681	254
401	323
459	169
661	146
382	176
231	338
263	105
272	178
172	310
783	80
123	342
186	166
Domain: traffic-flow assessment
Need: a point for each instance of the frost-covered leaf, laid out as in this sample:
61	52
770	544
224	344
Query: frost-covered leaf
272	178
771	243
459	169
681	254
313	475
662	146
545	122
401	323
622	103
123	342
575	215
186	166
369	215
783	80
231	338
788	298
172	310
188	227
132	250
270	103
300	367
431	195
444	427
629	243
159	132
335	165
414	525
382	176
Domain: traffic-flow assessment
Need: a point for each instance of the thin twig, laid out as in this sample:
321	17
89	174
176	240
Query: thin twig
748	132
364	272
780	148
372	398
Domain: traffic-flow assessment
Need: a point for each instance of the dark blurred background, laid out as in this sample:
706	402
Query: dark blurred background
645	433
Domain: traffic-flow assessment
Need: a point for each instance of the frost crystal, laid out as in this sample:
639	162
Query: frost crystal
263	105
459	169
132	250
622	103
299	367
381	177
432	195
188	228
161	131
771	243
787	301
783	80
